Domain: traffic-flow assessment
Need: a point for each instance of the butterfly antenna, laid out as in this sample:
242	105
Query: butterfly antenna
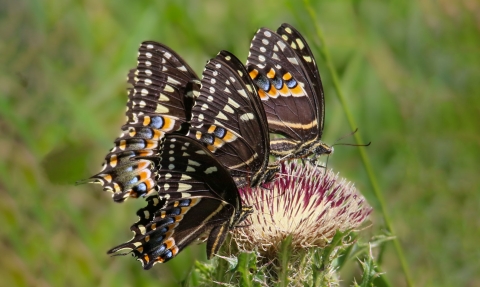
349	144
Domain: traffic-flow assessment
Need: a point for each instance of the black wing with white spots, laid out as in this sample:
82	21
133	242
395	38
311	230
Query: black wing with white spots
197	196
159	102
228	117
283	68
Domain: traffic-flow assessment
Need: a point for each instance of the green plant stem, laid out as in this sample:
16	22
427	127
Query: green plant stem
366	161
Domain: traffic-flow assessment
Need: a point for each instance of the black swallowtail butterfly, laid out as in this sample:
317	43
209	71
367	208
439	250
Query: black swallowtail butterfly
228	117
159	102
284	70
198	196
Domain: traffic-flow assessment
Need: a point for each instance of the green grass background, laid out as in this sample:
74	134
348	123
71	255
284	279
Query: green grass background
410	71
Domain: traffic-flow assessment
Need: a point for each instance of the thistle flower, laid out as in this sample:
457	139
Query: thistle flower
307	202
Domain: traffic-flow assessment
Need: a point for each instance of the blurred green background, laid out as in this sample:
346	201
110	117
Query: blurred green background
410	71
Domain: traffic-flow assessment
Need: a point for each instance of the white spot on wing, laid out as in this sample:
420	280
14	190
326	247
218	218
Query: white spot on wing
161	109
228	109
184	187
211	170
163	98
192	162
233	103
173	81
185	177
222	116
168	88
300	43
242	93
247	117
293	61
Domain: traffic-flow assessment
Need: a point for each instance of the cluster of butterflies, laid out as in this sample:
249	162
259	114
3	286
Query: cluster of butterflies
189	144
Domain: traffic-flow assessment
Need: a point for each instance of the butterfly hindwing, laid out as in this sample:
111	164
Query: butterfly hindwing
159	102
197	196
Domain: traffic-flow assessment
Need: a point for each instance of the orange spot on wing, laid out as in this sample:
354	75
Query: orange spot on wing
146	120
145	152
284	90
211	148
253	74
273	92
271	74
132	132
185	210
169	123
157	134
150	144
146	258
169	243
297	91
262	94
143	164
122	144
229	137
144	174
211	129
218	142
174	251
178	218
194	201
107	177
113	160
287	76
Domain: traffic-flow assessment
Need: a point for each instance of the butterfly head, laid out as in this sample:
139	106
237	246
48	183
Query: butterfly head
241	215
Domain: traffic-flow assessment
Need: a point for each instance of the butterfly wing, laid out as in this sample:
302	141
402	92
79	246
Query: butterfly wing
228	117
159	102
286	87
296	41
197	195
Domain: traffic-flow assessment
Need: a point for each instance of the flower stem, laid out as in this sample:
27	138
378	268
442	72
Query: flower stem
366	161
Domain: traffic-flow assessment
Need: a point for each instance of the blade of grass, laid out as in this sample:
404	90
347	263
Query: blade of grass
366	161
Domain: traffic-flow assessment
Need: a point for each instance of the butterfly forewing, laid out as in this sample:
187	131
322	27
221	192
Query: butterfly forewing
300	46
229	119
158	103
197	196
